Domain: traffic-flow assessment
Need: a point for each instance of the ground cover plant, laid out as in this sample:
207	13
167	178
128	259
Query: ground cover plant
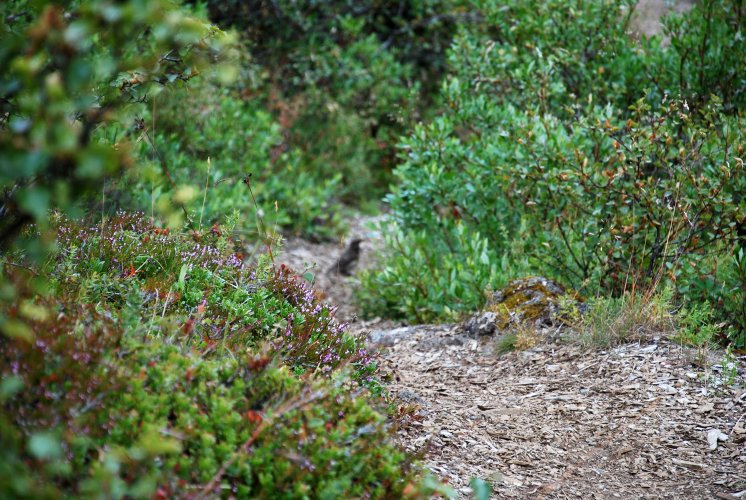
624	172
157	365
146	356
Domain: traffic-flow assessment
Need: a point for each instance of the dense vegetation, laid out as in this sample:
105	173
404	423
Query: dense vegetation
144	351
151	159
573	150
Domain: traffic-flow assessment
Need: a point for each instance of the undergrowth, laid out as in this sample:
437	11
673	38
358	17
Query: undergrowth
625	168
159	363
633	317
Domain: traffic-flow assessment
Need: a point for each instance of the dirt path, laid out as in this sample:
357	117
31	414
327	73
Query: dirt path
314	260
557	422
554	421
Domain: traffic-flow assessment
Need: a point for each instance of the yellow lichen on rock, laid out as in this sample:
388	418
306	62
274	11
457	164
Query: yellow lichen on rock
526	304
534	301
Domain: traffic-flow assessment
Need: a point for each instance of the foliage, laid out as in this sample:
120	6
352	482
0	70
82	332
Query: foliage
346	78
482	489
139	360
644	199
165	365
202	281
707	48
632	317
68	68
696	326
207	122
417	284
593	171
303	35
552	52
729	369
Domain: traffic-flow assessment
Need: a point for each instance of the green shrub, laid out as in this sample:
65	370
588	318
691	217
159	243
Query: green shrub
706	54
592	171
552	53
420	285
165	366
211	123
644	201
346	78
68	69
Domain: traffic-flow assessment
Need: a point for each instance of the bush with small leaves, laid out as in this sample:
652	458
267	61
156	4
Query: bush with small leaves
166	366
592	171
68	69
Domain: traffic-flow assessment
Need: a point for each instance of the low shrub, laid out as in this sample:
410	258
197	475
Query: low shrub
202	283
633	317
346	79
418	284
166	366
593	172
204	143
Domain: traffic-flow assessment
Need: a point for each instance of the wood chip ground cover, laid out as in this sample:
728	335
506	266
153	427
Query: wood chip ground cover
556	421
560	422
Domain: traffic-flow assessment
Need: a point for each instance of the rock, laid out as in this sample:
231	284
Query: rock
388	338
713	436
407	396
535	301
481	324
446	434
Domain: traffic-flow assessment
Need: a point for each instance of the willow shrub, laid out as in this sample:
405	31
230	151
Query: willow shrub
346	78
561	162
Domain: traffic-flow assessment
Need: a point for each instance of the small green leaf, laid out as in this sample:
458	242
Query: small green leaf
481	488
44	446
9	387
18	330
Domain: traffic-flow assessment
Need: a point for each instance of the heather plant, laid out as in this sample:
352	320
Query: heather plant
169	422
165	365
201	282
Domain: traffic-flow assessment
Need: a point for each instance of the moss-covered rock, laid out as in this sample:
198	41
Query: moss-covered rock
534	301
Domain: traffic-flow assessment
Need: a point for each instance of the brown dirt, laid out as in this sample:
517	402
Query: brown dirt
555	421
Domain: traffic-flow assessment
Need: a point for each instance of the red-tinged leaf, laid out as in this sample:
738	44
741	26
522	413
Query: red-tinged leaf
188	326
253	416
